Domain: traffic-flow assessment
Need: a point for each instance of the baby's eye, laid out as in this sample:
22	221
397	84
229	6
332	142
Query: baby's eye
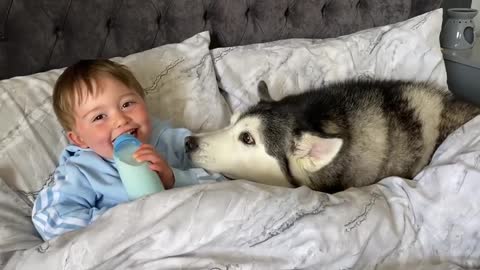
99	117
127	104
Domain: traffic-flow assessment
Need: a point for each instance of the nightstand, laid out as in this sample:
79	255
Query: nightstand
463	72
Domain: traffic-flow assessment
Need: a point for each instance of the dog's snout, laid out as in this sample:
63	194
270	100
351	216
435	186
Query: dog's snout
191	143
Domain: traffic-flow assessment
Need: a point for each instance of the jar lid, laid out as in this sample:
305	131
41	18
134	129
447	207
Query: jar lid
462	13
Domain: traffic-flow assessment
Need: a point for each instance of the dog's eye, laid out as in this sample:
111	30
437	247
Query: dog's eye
246	138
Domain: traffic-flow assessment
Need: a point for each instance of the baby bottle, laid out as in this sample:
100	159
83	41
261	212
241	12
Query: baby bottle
137	178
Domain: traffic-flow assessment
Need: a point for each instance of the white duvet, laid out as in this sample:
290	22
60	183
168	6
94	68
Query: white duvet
431	222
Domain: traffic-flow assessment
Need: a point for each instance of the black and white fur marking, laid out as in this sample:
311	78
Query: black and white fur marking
347	134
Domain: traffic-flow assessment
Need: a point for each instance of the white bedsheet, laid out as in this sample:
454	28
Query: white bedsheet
432	222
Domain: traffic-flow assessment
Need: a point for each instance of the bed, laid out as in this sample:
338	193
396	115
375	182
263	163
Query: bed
199	62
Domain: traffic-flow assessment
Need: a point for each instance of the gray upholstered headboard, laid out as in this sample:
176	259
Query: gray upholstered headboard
37	35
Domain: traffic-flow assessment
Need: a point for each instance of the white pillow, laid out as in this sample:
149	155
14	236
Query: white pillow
180	84
181	88
16	229
408	50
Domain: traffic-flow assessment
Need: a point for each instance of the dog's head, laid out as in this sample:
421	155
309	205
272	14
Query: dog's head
262	145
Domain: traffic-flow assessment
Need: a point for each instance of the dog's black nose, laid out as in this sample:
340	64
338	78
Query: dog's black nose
190	143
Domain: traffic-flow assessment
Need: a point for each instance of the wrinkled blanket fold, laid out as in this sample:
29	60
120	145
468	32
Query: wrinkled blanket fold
430	222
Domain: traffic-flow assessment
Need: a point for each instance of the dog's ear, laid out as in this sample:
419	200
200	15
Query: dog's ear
313	152
263	92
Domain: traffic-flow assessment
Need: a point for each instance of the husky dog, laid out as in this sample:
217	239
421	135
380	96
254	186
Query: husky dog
347	134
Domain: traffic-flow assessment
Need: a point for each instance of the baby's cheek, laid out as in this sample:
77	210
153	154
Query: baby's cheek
106	147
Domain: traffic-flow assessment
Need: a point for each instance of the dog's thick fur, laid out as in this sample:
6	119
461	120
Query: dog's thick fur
344	135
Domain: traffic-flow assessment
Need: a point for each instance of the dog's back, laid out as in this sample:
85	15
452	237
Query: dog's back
388	128
348	134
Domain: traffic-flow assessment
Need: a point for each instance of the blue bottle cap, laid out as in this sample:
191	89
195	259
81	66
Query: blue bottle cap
125	138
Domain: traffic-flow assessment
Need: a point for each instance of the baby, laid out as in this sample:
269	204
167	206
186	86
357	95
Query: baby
95	101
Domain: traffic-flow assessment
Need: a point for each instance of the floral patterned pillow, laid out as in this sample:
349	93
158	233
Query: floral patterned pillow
408	50
180	85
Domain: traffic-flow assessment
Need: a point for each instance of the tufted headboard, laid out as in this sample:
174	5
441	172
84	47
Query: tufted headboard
37	35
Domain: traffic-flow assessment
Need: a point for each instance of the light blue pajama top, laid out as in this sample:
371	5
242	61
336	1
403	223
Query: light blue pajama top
86	185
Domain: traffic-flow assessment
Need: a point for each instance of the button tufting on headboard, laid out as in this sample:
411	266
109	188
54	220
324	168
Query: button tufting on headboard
324	10
58	33
247	12
111	23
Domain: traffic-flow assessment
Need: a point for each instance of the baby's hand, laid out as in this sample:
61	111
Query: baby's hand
147	152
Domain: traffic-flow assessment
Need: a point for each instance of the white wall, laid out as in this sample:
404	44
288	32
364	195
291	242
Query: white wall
476	5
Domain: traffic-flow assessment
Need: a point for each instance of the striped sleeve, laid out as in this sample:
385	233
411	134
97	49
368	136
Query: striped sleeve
66	206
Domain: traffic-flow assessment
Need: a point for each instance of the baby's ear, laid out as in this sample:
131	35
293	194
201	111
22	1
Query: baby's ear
313	152
76	140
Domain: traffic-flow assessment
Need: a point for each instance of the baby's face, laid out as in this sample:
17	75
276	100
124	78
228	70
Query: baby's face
112	111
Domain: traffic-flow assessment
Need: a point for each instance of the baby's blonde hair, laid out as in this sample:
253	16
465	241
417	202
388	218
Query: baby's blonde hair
68	90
